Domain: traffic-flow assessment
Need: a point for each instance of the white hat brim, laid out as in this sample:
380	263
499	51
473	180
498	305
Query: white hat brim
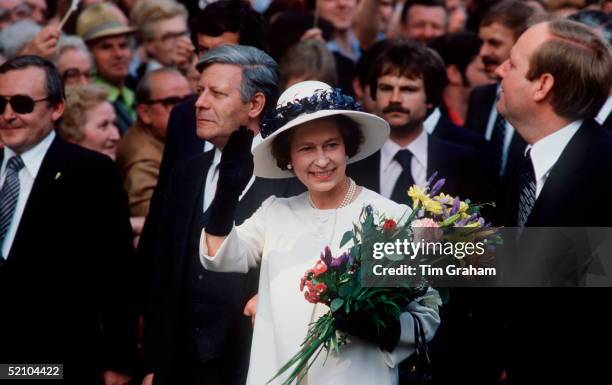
374	129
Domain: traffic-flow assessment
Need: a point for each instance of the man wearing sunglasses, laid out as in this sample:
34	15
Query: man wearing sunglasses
140	149
65	238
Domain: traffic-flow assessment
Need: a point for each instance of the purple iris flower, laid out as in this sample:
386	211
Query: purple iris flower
437	187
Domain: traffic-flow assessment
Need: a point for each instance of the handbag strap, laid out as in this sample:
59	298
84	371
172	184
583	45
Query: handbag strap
422	348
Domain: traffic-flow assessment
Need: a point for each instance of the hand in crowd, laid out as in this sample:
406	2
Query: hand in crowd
44	43
114	378
250	309
182	55
148	379
137	225
313	34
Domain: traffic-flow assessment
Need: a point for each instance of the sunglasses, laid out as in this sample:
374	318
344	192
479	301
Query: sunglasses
170	101
74	73
21	104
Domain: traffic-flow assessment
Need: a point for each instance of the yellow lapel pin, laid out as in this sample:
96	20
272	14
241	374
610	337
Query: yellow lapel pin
57	175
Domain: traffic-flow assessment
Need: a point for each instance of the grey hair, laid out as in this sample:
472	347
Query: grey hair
15	37
259	70
71	42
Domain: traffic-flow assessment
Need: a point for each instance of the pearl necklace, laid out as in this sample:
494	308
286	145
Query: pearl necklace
348	197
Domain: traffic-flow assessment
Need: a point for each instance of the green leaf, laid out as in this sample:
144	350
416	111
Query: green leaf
336	304
346	238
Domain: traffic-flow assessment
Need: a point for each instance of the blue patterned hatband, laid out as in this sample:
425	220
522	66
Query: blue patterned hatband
320	100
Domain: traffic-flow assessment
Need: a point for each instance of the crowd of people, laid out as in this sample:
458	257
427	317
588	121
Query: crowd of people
169	169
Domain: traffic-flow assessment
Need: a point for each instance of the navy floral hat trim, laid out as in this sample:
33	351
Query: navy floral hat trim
321	100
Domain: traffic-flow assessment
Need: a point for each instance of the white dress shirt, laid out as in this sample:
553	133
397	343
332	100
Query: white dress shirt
32	159
507	138
605	111
432	121
212	174
390	169
546	151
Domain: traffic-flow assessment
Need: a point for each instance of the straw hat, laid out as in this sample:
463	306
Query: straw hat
101	20
307	101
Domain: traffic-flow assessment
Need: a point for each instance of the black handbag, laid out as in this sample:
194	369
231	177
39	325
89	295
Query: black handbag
417	369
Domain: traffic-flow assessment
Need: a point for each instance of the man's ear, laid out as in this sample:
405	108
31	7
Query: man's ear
256	105
143	113
543	87
454	75
58	110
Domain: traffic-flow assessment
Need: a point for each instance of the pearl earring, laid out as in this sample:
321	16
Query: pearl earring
347	157
289	166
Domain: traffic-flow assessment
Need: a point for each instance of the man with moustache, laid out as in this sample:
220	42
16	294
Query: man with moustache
106	31
406	81
499	29
195	332
405	84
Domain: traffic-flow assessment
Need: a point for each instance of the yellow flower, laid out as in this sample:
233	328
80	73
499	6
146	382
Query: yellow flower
418	195
432	206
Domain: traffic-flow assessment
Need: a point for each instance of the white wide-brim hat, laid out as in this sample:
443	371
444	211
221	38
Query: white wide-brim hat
328	102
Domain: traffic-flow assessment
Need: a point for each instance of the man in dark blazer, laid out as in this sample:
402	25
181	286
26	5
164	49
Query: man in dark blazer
65	239
195	332
406	82
556	81
499	30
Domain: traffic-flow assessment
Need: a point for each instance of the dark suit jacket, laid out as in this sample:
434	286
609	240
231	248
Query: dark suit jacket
222	333
66	289
182	141
465	173
569	326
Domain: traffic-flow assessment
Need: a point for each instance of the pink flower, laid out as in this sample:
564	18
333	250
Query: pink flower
426	229
312	296
302	283
319	268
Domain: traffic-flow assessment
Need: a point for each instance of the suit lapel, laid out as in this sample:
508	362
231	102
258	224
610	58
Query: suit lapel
366	172
192	189
560	184
49	178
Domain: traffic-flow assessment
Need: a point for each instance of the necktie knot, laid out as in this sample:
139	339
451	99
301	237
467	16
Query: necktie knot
15	163
403	157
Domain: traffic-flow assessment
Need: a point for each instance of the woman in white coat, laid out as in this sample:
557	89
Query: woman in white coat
315	131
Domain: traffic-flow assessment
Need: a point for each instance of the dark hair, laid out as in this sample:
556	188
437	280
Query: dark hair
409	58
231	16
287	29
512	14
458	49
349	131
366	62
426	3
54	84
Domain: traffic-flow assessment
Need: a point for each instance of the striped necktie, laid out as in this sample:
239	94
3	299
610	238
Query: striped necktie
527	188
9	195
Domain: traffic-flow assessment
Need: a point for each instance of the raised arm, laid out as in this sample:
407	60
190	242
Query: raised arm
235	171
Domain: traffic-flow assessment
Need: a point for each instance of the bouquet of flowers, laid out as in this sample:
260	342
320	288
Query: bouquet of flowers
336	281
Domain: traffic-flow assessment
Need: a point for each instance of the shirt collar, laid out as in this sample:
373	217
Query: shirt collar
432	120
114	92
605	111
546	151
32	159
418	148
